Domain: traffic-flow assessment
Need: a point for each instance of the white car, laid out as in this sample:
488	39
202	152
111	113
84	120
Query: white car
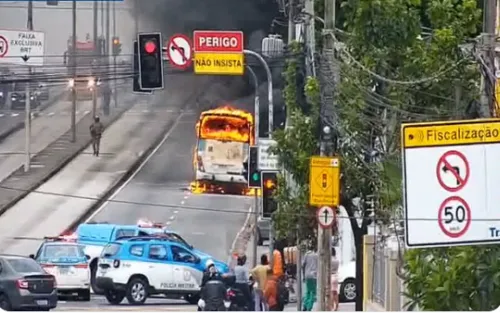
69	265
347	282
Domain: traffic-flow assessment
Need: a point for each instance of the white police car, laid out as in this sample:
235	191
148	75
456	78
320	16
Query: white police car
95	236
138	267
67	262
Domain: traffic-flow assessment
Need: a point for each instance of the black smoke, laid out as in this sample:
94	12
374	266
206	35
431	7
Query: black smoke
253	17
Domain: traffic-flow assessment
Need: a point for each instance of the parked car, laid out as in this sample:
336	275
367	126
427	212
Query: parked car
24	285
347	282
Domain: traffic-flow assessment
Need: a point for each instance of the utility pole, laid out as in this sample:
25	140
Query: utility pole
324	293
73	71
488	81
27	117
115	78
95	10
310	38
291	24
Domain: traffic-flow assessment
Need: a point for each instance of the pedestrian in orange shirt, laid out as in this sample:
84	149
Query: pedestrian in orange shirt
271	292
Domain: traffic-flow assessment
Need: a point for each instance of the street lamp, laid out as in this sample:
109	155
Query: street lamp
71	83
91	83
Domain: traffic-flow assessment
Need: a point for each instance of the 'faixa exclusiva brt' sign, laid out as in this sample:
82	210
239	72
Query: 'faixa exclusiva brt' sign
22	47
218	52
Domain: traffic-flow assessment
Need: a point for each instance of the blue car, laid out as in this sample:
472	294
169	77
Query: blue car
136	268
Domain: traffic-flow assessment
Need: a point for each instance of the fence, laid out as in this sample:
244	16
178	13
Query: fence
383	288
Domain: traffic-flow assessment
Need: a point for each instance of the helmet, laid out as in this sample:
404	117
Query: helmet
96	118
209	263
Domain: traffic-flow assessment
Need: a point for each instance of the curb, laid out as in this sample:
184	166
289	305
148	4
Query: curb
20	125
65	162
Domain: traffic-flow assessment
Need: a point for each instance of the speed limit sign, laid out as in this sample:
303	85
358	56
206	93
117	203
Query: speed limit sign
454	217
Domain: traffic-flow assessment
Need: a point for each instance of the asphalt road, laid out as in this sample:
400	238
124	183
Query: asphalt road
209	222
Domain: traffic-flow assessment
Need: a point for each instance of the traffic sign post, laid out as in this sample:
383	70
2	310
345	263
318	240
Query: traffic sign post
267	160
179	51
218	52
325	216
452	194
324	181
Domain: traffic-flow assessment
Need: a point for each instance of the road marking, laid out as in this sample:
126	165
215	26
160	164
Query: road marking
176	211
172	217
185	197
182	202
139	168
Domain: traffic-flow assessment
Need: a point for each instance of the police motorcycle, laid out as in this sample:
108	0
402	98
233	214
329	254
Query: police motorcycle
236	300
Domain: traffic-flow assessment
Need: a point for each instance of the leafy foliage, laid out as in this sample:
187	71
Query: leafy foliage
454	279
295	145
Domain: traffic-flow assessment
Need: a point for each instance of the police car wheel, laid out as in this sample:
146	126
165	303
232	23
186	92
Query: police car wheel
137	291
84	295
192	299
114	297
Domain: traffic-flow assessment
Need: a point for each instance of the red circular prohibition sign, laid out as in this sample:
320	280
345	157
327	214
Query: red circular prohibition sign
468	217
5	46
444	162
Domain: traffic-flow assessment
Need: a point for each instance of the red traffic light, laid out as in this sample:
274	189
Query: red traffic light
150	47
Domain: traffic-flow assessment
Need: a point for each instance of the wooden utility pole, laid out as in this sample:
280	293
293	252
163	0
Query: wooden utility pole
324	293
488	81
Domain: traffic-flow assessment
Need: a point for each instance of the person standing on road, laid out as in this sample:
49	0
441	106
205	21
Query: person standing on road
271	292
96	130
259	273
310	274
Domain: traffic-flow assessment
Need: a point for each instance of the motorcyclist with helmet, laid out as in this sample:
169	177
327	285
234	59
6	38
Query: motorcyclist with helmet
213	289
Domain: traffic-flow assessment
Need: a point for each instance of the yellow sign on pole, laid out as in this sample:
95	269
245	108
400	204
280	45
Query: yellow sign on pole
219	63
324	181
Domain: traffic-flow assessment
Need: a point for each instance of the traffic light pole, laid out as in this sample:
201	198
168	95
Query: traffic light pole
115	89
256	136
271	127
73	71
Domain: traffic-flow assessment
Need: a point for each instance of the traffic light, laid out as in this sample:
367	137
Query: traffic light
269	186
117	46
135	80
150	61
253	173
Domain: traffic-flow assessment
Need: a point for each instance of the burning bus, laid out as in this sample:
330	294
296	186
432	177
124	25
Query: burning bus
224	135
86	56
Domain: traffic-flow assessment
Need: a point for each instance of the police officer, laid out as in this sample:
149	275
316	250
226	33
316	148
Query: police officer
213	289
96	130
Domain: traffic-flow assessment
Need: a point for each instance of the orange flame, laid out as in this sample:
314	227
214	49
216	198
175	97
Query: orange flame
226	123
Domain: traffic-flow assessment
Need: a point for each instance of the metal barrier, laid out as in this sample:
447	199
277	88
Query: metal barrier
383	288
379	274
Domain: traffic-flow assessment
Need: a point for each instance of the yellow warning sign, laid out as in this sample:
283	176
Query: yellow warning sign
324	181
219	63
450	133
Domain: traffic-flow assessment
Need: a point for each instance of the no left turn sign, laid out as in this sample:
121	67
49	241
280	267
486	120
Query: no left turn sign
452	171
179	51
4	46
454	217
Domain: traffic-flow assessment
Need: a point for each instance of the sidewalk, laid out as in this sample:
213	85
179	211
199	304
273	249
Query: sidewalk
60	201
58	151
